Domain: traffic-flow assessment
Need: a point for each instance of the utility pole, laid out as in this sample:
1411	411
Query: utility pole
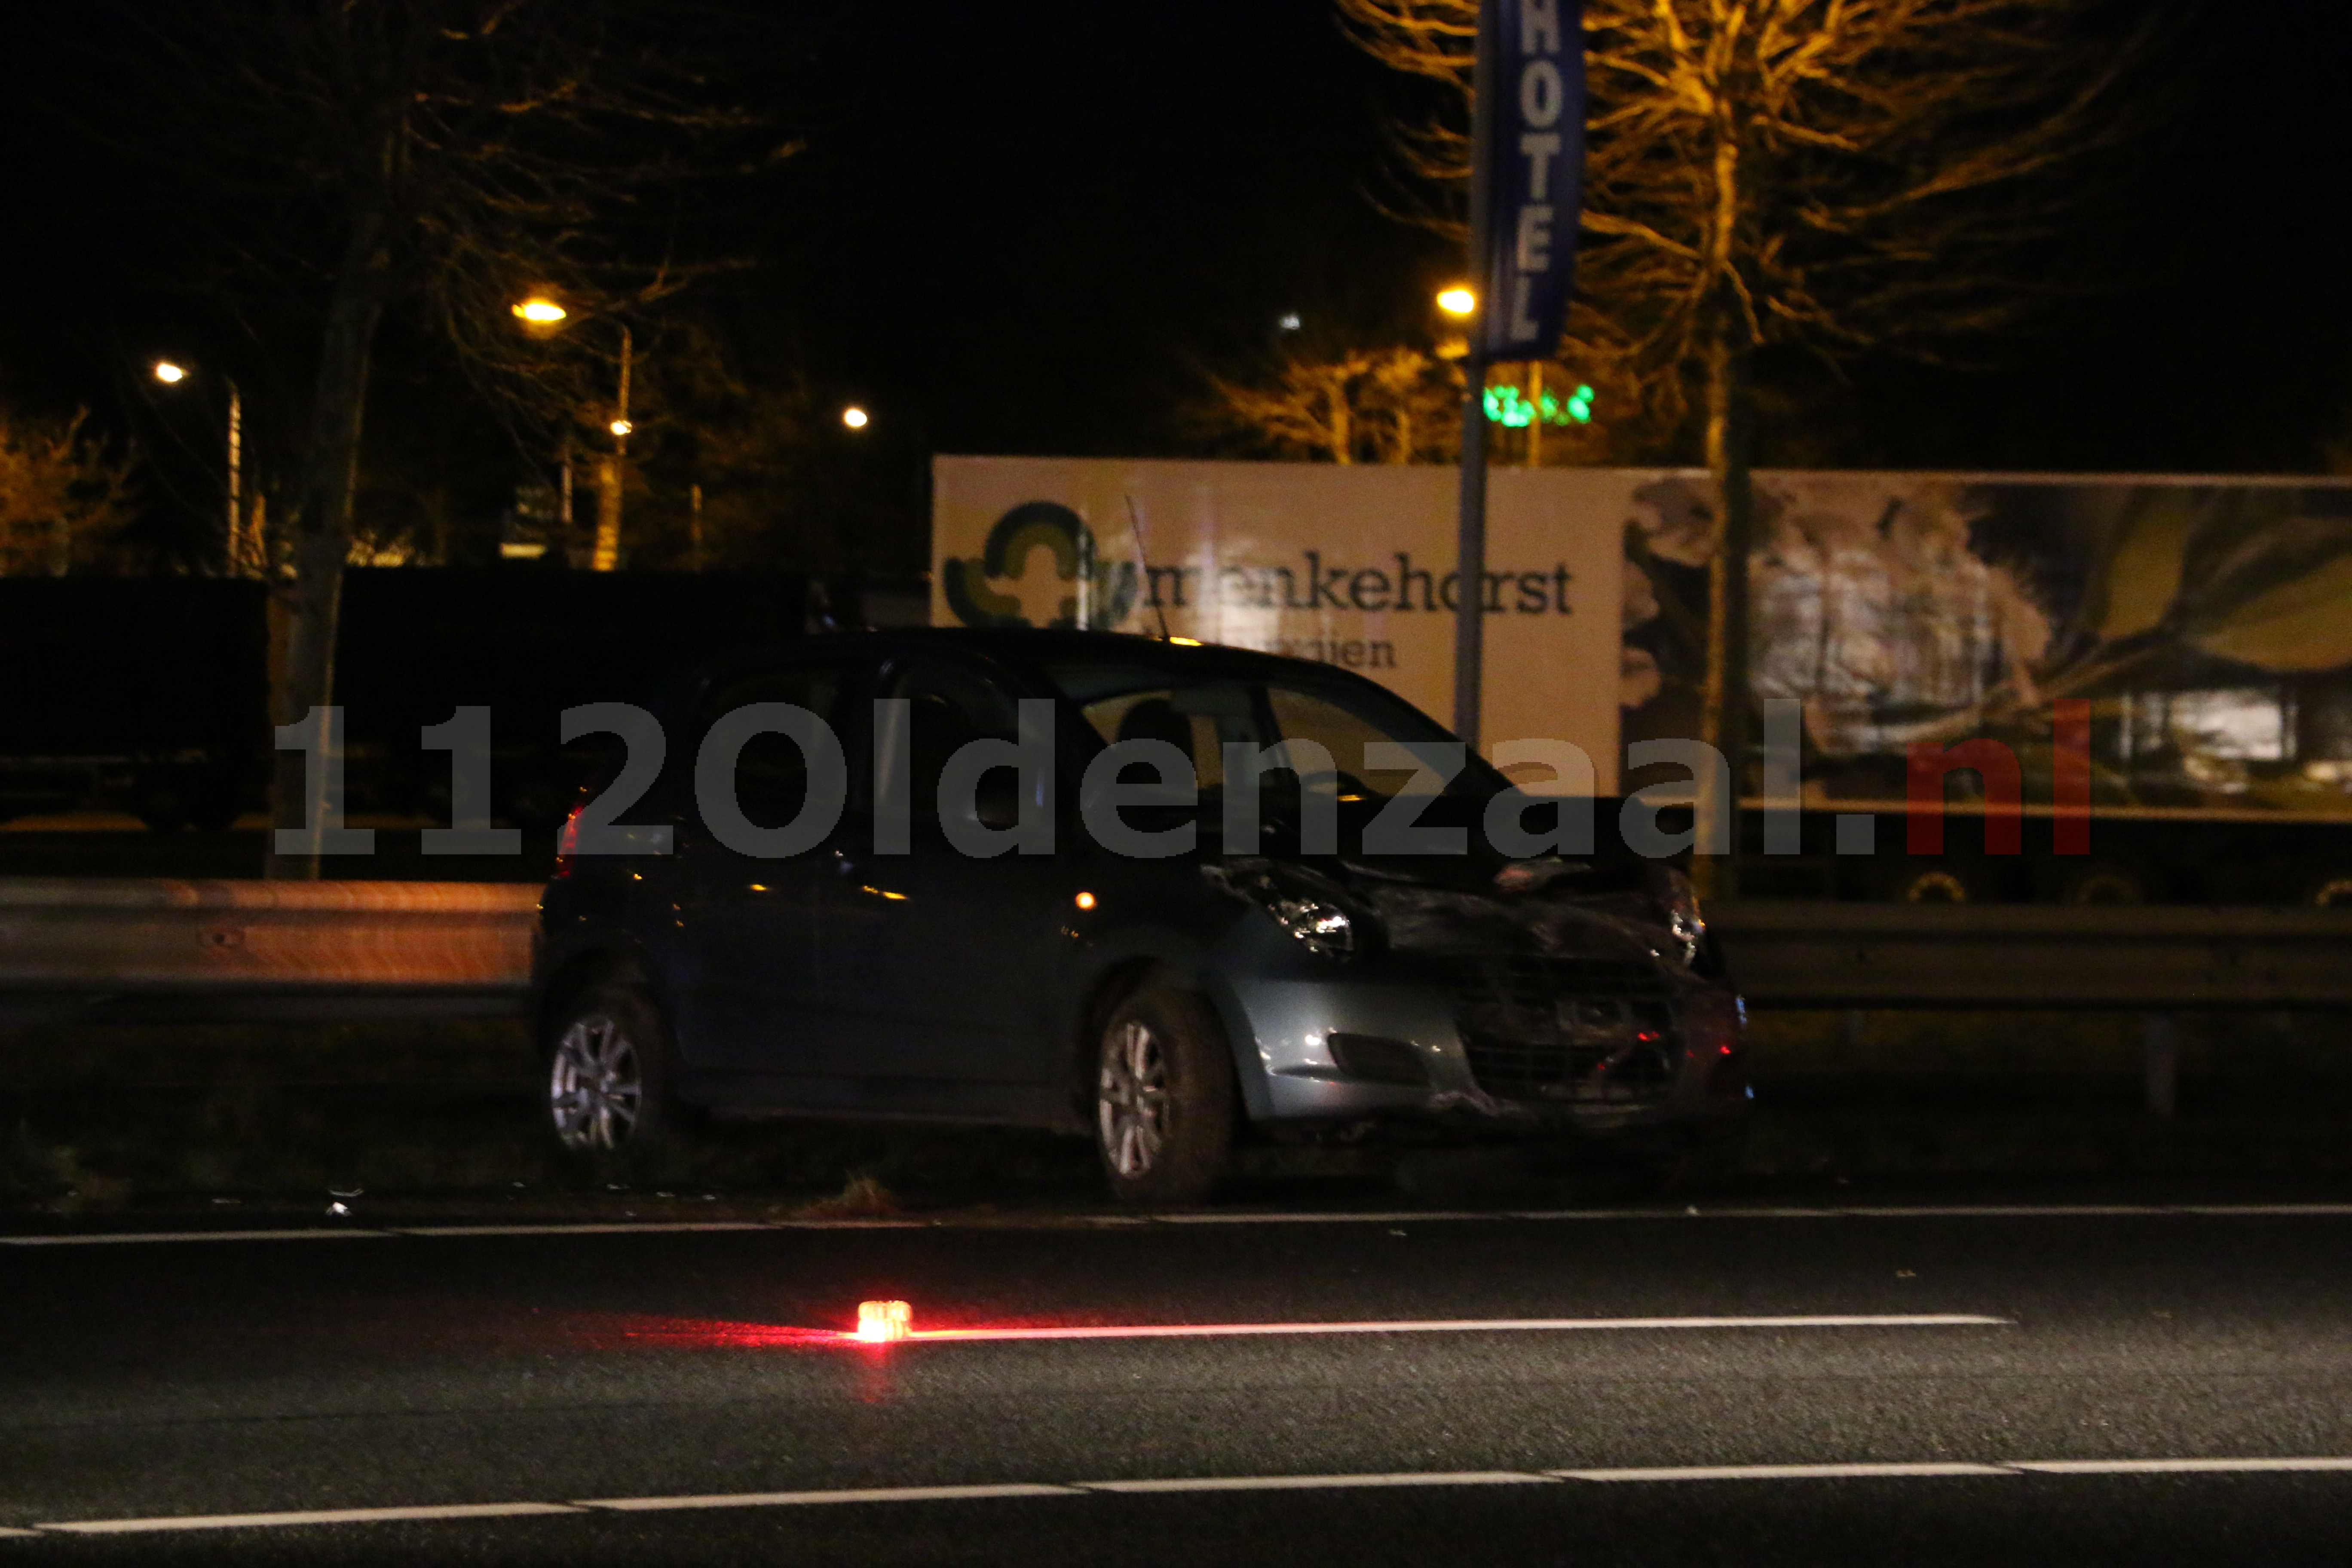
1470	534
1526	161
694	527
1535	414
615	475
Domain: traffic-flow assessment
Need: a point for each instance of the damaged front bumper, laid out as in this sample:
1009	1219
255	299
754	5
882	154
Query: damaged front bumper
1411	1049
1486	1022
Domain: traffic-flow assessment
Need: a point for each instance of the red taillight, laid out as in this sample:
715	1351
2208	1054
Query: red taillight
567	840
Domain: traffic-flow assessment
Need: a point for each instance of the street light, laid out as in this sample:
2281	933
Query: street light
540	311
621	428
854	416
1457	302
235	555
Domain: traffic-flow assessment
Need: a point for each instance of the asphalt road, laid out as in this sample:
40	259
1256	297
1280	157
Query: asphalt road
1574	1394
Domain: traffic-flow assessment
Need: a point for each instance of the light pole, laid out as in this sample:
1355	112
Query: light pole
1470	543
616	476
238	560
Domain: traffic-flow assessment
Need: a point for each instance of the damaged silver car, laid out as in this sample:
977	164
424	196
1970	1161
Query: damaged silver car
1167	897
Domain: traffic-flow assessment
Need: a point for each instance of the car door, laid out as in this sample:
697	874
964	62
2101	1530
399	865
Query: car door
744	926
937	965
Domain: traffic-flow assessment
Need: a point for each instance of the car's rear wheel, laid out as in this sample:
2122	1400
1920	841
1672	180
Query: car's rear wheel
612	1075
1163	1098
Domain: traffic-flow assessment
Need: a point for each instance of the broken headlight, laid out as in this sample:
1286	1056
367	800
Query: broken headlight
1678	902
1302	904
1321	925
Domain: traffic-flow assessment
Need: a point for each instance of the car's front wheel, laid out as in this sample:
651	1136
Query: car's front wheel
611	1080
1163	1098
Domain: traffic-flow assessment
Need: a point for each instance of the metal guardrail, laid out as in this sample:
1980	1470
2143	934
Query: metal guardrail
124	948
181	949
2149	957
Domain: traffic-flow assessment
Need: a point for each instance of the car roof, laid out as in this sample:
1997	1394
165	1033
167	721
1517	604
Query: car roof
1041	644
1018	646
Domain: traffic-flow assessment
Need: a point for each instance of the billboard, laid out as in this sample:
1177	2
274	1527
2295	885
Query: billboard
1351	566
2208	621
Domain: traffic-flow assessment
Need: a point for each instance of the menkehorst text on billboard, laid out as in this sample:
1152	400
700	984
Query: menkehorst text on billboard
1347	566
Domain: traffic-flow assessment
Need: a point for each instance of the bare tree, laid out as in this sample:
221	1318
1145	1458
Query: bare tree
62	495
1377	406
441	159
1835	175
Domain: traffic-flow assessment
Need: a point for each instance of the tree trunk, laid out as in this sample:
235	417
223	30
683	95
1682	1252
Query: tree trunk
1725	703
323	530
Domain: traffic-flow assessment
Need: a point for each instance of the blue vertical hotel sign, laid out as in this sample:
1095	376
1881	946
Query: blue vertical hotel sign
1531	172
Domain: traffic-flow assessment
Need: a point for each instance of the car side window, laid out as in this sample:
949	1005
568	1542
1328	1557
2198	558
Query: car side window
948	707
1307	716
770	773
1180	717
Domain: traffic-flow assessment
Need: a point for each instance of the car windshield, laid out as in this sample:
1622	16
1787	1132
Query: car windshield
1201	713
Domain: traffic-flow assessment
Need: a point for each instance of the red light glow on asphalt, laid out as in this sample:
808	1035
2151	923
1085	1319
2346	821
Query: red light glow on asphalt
884	1330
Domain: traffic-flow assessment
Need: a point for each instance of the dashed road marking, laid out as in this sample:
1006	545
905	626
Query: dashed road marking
1317	1483
1783	1472
2171	1466
308	1516
1181	1485
1131	1222
810	1499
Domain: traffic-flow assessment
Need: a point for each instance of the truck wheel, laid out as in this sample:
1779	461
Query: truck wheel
2104	882
1914	882
1163	1098
612	1075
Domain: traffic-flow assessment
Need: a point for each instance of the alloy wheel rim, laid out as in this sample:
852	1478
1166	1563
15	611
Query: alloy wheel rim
596	1087
1131	1102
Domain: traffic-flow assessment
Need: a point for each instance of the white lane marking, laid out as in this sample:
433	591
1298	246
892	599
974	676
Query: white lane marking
308	1516
658	1228
1211	1217
1621	1474
125	1238
2005	1211
806	1499
2171	1466
1457	1326
1313	1483
631	1227
1780	1472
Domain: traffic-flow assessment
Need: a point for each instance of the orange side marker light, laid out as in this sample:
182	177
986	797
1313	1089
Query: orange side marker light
879	1322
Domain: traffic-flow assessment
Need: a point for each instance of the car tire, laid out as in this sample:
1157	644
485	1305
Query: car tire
612	1076
1163	1098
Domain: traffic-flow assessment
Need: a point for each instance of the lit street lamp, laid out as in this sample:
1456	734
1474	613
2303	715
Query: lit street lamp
539	311
854	416
236	554
1457	302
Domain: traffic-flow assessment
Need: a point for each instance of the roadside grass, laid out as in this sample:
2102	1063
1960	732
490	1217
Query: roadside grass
101	1117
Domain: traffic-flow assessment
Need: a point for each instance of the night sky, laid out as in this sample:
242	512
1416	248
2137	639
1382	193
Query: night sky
1031	228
